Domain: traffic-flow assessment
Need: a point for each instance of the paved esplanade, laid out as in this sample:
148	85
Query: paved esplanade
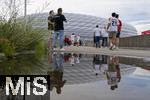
106	51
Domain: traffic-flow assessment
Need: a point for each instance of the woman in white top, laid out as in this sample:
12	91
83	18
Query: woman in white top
104	37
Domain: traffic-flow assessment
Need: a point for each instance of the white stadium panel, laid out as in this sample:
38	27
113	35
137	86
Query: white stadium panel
82	24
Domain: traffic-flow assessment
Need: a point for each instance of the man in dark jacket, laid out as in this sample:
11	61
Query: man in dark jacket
59	18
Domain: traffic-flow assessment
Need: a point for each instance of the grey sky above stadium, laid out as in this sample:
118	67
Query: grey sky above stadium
130	10
136	12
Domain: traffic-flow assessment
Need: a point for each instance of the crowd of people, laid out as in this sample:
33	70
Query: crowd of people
104	36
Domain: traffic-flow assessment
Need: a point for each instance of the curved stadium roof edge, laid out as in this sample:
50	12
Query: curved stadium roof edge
78	22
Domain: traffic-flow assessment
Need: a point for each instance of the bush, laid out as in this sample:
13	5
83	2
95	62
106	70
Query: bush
7	48
18	37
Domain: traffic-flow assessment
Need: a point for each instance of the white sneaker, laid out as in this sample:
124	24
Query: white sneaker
113	47
117	48
62	49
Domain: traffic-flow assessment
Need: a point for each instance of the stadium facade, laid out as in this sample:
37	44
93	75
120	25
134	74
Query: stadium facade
82	24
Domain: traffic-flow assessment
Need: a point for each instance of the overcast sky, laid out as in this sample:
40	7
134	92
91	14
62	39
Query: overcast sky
131	11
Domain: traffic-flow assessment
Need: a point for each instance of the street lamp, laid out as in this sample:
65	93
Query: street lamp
25	12
25	8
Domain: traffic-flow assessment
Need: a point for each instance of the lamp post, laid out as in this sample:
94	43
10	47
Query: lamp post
25	8
25	12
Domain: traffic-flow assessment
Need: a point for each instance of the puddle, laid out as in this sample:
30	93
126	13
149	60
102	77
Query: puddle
99	77
86	76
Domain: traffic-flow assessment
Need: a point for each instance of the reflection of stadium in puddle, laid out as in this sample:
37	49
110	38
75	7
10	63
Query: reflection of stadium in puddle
94	76
84	73
79	69
80	72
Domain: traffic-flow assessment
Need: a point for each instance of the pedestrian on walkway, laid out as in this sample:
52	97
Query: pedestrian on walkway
118	31
112	27
50	27
59	18
97	34
104	36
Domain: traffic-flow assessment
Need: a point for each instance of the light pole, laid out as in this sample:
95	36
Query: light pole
25	8
25	12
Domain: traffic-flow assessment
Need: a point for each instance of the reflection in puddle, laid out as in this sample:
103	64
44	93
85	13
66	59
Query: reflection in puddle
72	68
72	73
56	76
86	76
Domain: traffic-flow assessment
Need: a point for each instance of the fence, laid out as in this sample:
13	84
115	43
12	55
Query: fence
141	41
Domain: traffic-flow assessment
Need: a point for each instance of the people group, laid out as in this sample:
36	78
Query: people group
100	37
57	22
104	36
114	28
111	32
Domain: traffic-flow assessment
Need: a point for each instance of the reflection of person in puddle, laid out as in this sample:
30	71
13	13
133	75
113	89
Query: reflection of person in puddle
97	64
56	76
104	66
77	58
113	73
74	59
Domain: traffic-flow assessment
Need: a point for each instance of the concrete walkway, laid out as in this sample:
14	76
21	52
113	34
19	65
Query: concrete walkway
106	51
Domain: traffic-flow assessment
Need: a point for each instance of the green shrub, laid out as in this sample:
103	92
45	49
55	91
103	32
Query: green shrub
7	48
39	50
19	37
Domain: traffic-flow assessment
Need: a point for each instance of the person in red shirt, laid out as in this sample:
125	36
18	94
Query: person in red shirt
119	30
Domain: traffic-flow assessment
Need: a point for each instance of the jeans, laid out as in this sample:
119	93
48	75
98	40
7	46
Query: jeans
105	42
98	41
58	60
59	33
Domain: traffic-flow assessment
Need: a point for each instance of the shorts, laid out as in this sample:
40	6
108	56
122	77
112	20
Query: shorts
118	35
112	34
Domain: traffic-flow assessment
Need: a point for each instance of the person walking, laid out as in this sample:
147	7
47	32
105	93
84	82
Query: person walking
97	34
118	31
104	37
59	18
112	27
50	27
